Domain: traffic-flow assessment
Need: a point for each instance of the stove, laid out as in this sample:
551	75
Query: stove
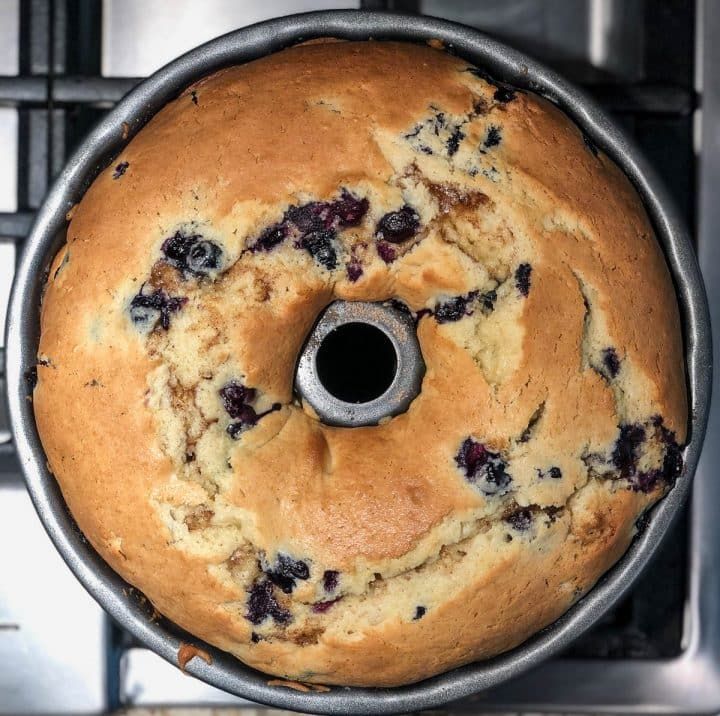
654	66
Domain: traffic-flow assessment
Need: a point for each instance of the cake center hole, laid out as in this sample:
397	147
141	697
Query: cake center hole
356	362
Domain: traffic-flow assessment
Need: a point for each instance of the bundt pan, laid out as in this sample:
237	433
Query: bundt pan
130	609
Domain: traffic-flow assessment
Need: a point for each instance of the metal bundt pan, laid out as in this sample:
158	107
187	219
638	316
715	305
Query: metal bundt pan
106	140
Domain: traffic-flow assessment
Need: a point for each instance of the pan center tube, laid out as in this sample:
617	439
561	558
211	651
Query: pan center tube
360	364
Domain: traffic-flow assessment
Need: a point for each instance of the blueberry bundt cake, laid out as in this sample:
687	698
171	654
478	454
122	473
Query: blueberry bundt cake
552	409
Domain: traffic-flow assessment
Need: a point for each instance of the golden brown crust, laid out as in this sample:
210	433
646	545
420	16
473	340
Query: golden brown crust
134	427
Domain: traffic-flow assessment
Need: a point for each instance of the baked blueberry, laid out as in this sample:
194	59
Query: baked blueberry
246	418
455	308
398	226
286	571
487	301
308	217
319	244
522	278
147	309
645	481
504	94
625	453
192	254
493	137
611	362
520	520
419	613
554	472
484	469
120	169
271	237
322	607
349	209
235	397
354	270
386	252
453	142
331	578
262	604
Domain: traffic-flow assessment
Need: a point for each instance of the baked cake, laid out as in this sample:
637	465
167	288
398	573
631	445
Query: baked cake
550	418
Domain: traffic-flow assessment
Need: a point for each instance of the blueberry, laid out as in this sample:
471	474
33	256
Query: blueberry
493	137
146	309
203	257
319	244
307	217
504	94
672	461
255	638
354	270
487	301
645	481
322	607
263	604
554	472
330	580
192	254
246	418
419	613
483	468
522	278
286	571
453	142
520	520
611	362
193	97
234	397
271	237
349	209
120	169
455	308
625	455
398	226
386	252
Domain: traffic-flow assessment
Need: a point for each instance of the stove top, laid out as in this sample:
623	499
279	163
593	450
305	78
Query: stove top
654	66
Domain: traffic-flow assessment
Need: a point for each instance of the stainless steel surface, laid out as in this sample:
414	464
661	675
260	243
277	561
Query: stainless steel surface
140	36
9	25
400	331
148	680
589	38
107	587
52	633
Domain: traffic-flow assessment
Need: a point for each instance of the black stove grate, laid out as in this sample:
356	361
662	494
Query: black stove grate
60	94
